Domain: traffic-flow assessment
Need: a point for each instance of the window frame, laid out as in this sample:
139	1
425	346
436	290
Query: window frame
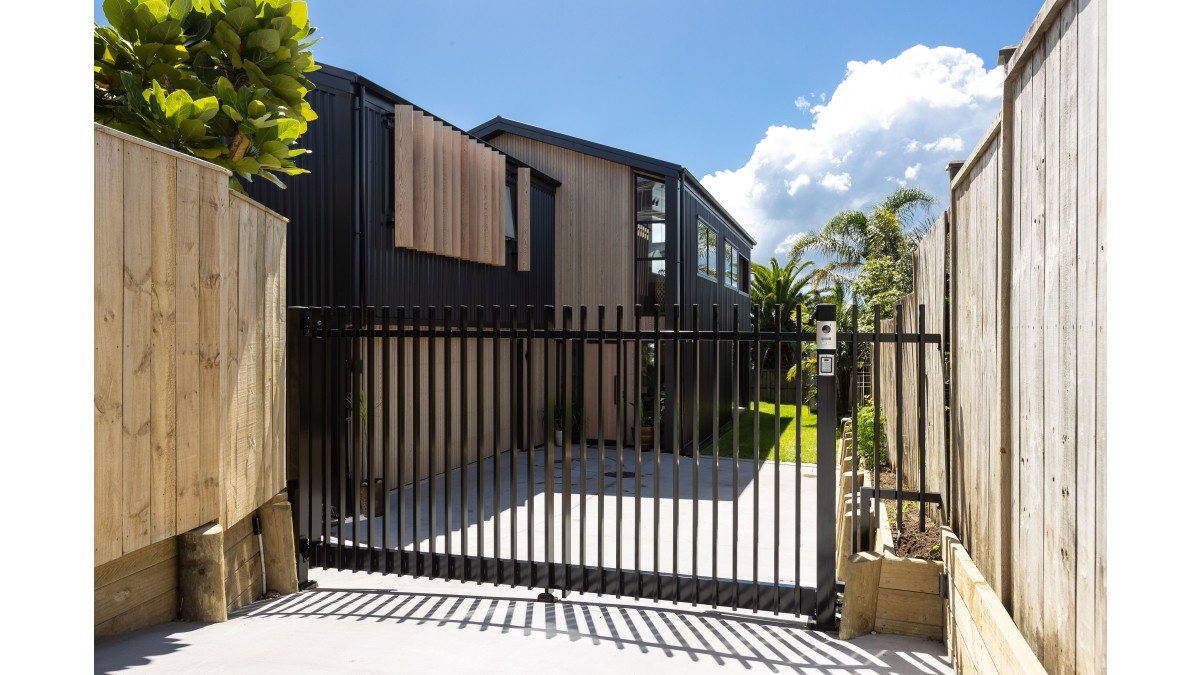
716	251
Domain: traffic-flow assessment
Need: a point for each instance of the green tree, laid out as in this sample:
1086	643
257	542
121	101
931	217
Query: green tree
219	80
882	282
889	230
777	293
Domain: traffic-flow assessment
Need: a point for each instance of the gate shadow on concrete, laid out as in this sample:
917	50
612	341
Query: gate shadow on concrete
723	638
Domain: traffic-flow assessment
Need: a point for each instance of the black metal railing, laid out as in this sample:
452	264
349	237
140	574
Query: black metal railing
422	441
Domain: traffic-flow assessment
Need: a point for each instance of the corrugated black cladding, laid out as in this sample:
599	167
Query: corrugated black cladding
705	292
340	255
319	205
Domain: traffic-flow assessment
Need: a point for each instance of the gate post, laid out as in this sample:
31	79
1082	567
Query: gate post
827	478
297	425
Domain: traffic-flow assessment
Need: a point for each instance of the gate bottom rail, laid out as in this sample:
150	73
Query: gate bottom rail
784	599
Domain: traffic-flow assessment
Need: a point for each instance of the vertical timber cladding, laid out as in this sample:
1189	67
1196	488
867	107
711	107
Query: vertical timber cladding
449	191
523	188
1028	341
593	256
1055	357
189	355
977	410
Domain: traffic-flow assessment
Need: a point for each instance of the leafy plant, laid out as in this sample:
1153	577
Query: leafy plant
866	436
217	79
578	417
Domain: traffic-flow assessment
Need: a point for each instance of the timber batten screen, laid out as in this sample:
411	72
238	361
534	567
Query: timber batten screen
449	190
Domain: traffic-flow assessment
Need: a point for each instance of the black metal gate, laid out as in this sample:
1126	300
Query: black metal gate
423	442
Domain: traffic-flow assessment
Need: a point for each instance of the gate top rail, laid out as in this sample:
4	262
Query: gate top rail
413	322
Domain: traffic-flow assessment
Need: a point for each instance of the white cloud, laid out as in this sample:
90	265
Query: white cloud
952	143
797	183
838	183
802	103
885	120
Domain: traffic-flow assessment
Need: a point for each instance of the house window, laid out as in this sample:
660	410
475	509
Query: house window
706	250
650	242
510	220
733	268
743	274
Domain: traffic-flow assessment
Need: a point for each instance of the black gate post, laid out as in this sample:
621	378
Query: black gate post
826	325
297	436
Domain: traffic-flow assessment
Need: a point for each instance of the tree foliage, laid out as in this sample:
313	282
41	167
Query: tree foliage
219	80
778	294
891	229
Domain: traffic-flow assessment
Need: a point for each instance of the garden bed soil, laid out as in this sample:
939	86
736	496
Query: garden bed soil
912	543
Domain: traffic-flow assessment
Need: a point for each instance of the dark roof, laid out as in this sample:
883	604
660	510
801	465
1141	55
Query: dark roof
500	125
384	93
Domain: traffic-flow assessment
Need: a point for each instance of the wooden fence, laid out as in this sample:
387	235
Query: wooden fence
929	289
1027	263
189	347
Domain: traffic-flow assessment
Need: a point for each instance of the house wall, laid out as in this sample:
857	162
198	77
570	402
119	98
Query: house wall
341	231
593	259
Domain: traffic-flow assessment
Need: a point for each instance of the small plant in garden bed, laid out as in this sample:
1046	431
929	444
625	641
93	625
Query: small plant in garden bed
866	436
910	541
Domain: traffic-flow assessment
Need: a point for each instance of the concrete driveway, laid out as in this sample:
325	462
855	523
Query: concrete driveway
359	623
785	497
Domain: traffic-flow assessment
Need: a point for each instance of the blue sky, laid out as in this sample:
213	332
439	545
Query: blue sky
702	83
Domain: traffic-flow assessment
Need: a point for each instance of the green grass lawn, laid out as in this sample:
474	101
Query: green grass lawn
765	418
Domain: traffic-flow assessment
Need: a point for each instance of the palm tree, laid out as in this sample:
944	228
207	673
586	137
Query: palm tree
850	238
776	293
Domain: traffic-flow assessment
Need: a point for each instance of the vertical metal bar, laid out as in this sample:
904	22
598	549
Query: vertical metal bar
386	385
778	441
548	461
583	345
447	438
798	357
638	449
736	449
875	406
339	470
464	486
431	450
496	538
676	433
401	432
658	363
755	401
300	335
529	443
355	447
417	397
854	427
328	426
369	431
513	428
568	449
600	405
921	411
826	324
622	420
716	445
899	423
695	452
480	500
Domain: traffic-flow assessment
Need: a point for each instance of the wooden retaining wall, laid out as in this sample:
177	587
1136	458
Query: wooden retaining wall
189	362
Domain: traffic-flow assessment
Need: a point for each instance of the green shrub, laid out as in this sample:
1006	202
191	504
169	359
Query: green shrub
866	436
219	80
